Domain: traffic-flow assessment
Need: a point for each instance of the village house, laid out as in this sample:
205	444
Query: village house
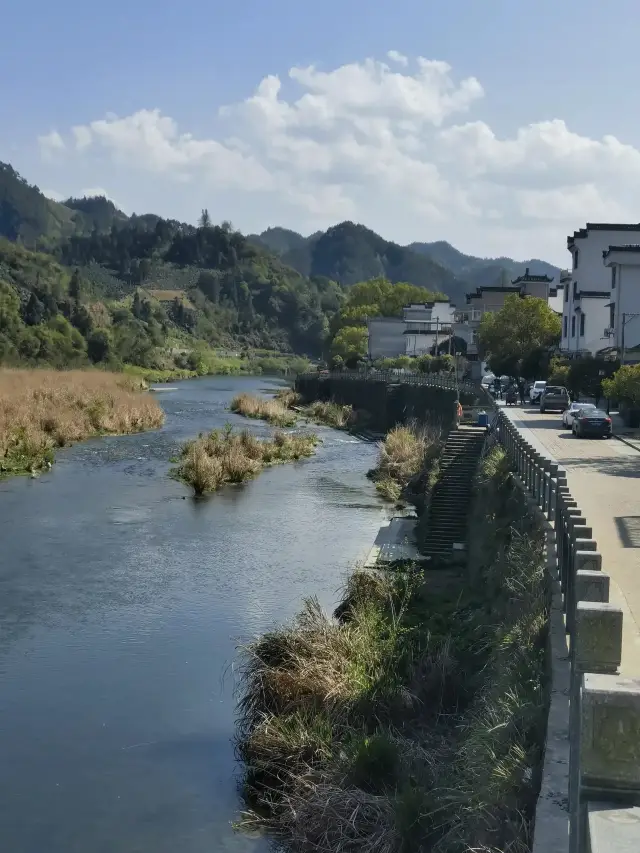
586	315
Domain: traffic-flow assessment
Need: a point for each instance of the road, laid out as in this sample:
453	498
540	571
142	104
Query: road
604	479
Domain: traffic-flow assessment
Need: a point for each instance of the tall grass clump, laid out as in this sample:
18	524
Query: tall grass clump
413	719
41	410
211	461
271	410
402	456
333	414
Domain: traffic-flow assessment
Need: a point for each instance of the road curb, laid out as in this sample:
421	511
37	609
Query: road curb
628	443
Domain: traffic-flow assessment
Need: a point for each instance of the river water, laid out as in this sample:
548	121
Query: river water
121	607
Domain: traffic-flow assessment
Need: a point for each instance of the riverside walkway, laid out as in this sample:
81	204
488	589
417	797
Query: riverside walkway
604	478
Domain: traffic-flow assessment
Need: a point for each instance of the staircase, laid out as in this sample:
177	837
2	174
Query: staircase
446	527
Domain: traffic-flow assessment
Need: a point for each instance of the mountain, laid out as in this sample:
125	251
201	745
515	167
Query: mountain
99	212
278	240
142	290
350	253
27	215
481	271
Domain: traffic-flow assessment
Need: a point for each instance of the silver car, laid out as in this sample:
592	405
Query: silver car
568	416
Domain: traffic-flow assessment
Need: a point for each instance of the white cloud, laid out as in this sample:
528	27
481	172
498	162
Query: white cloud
396	56
392	147
50	144
54	195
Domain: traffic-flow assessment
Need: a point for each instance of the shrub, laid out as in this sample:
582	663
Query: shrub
208	462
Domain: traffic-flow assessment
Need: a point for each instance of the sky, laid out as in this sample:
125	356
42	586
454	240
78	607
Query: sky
500	126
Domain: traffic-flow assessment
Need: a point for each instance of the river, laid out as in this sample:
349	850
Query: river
121	607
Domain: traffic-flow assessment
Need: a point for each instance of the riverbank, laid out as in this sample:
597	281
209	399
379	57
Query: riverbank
208	364
414	719
42	410
210	462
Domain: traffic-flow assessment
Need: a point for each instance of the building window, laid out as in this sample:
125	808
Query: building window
564	327
575	289
581	325
566	292
612	315
573	326
576	256
613	277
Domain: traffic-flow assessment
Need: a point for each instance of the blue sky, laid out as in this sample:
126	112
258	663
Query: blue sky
72	64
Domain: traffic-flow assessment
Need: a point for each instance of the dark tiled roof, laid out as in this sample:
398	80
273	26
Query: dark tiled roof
629	247
601	226
528	277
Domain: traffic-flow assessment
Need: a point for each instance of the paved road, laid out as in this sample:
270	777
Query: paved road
604	478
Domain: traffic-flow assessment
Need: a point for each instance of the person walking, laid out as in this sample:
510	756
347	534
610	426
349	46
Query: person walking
522	388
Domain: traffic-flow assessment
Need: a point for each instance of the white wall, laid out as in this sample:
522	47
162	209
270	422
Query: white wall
591	274
626	296
386	337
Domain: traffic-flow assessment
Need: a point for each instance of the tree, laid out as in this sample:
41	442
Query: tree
350	344
205	219
624	385
75	286
99	345
517	338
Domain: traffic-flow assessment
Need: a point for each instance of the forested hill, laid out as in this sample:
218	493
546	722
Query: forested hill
347	250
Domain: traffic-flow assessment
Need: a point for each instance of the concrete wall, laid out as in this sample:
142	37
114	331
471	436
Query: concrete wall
391	401
626	296
386	337
592	757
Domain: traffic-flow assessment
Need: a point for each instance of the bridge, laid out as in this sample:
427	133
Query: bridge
586	494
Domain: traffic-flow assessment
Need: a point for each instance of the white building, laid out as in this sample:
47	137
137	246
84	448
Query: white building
586	296
427	324
622	263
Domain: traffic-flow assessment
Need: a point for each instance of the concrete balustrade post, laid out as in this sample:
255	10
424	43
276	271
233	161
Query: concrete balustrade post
596	647
553	491
609	761
591	586
546	482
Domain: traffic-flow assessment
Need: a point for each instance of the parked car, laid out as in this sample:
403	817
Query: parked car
591	422
554	397
569	414
536	390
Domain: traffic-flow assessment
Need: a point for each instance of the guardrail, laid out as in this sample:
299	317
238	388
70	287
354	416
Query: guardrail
436	380
591	775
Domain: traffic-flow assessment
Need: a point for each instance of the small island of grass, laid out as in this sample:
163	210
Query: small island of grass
211	461
285	407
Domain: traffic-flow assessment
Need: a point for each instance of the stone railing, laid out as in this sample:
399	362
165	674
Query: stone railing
435	380
590	789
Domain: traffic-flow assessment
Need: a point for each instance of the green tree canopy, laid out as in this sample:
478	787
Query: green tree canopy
515	339
350	343
624	385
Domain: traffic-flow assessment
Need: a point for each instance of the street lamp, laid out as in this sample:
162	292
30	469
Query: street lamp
626	318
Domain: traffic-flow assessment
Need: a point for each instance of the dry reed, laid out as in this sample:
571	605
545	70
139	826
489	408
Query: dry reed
41	410
210	461
272	411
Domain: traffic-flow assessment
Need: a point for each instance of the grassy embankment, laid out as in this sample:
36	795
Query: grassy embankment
211	461
405	453
415	720
41	410
210	364
284	409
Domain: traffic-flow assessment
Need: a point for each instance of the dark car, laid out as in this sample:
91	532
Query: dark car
554	397
591	422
